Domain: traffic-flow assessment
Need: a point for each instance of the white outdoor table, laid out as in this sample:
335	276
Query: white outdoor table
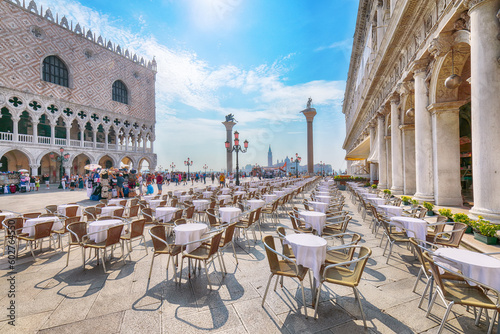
147	198
368	195
323	189
61	209
279	192
319	206
480	267
154	203
189	232
377	201
29	224
198	190
109	210
415	227
116	201
363	190
316	220
240	193
8	215
310	252
226	191
101	226
252	189
225	198
391	210
201	204
228	215
207	194
323	193
165	213
213	187
177	193
256	203
324	199
184	198
270	197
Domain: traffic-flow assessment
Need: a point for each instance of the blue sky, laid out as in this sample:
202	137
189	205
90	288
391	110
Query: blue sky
258	59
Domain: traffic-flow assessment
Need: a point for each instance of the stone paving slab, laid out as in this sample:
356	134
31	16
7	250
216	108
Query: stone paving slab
52	298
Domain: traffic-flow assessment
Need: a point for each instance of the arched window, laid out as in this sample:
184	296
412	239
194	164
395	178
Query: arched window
55	71
120	93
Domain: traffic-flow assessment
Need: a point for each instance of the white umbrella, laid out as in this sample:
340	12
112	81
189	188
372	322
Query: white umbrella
92	166
23	171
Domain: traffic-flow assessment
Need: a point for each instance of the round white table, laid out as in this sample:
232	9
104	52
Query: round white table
189	232
184	198
269	198
252	189
415	227
201	204
256	203
165	213
363	190
316	220
225	191
61	209
177	193
319	206
236	193
377	201
323	193
154	203
207	194
109	210
29	224
391	210
279	192
324	199
228	215
99	228
8	215
368	195
480	267
117	201
309	250
148	198
224	198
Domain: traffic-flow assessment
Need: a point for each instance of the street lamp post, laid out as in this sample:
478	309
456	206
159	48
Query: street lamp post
322	164
237	148
62	159
172	167
205	167
297	161
188	163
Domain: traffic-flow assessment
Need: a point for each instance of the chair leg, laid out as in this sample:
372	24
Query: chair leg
234	251
317	299
425	292
144	244
418	279
31	249
492	322
180	272
267	288
448	309
356	293
104	259
432	303
123	253
151	267
303	297
223	262
390	252
206	273
67	257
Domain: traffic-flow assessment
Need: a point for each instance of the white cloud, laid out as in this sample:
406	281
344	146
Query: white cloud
345	45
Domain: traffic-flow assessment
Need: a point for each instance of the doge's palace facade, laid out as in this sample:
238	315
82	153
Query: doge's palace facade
64	88
422	102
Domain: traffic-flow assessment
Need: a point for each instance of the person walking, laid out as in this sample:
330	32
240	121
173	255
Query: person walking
222	180
32	183
159	182
213	178
46	180
119	185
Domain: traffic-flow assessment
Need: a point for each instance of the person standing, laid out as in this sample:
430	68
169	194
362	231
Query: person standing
213	178
119	185
63	182
139	183
159	182
46	179
222	180
37	183
32	183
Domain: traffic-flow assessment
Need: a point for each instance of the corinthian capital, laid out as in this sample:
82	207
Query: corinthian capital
405	87
441	45
420	66
472	3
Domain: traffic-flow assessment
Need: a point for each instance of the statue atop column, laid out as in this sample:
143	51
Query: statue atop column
230	118
309	103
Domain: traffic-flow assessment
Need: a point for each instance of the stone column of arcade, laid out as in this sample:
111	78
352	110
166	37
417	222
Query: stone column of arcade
485	101
229	124
382	156
396	148
423	136
309	113
373	142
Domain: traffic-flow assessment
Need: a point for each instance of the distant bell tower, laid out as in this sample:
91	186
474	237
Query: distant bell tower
269	158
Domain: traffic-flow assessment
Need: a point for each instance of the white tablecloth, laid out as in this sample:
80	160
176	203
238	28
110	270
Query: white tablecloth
177	193
118	200
226	191
184	198
324	199
368	195
240	193
189	232
391	210
377	201
29	224
101	226
483	268
309	250
319	206
270	197
256	203
148	198
154	203
201	204
415	227
362	190
109	210
207	194
165	212
323	193
61	209
8	215
279	192
316	220
228	215
226	198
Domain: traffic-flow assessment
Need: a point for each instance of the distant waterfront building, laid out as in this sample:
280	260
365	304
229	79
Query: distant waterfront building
61	86
421	100
269	158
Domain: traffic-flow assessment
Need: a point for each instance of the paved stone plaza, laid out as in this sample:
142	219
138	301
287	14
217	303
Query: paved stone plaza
52	298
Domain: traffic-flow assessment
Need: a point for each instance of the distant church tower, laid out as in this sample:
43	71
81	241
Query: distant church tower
269	158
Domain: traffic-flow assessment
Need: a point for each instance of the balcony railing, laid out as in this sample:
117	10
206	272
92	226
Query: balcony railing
25	138
75	143
60	141
99	145
44	140
5	136
88	144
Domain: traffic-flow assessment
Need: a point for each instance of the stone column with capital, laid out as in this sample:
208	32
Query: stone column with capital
485	101
34	125
53	134
408	144
396	148
446	149
68	135
106	138
423	136
382	156
15	130
309	113
34	169
373	143
229	137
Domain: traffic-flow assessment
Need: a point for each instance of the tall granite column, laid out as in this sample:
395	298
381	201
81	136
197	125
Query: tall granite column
382	156
485	101
396	150
423	136
309	113
229	137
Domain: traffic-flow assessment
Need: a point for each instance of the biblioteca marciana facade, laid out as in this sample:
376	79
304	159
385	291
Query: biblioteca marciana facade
67	93
422	102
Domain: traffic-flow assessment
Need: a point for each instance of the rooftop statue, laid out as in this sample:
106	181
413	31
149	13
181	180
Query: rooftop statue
309	103
230	118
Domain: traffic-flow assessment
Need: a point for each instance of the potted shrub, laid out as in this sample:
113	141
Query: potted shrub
406	200
463	218
387	193
429	207
446	213
341	181
367	184
374	186
485	231
414	203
